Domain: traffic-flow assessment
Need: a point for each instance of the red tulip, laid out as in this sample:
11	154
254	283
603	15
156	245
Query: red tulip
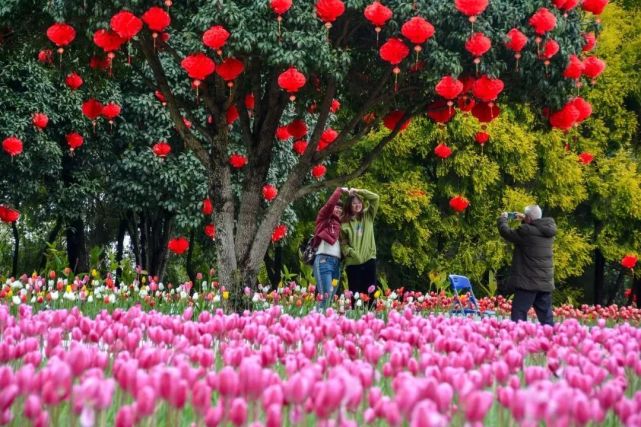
329	10
40	120
12	146
215	38
73	81
543	21
299	147
443	151
392	119
161	149
459	203
74	140
207	207
237	160
318	171
210	231
61	34
125	24
629	261
178	245
269	192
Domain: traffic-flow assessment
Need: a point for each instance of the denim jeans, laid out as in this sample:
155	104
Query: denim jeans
326	268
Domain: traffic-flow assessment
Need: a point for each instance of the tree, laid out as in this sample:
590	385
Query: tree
338	60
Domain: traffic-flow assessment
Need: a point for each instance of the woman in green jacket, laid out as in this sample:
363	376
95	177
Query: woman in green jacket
357	239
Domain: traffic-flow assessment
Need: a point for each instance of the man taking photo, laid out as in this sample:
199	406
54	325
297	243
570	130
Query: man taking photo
532	270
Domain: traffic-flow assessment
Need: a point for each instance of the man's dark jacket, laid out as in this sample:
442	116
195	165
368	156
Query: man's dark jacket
532	266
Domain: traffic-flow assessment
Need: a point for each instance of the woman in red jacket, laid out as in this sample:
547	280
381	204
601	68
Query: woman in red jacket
327	263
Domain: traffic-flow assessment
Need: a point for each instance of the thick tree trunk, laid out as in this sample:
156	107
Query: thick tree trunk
144	253
51	238
120	248
614	291
190	253
16	249
77	246
274	266
599	277
635	295
132	228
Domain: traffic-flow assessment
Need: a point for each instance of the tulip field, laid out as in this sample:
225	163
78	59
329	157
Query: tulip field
91	354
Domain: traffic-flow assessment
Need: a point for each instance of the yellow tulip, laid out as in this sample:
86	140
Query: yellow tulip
334	282
68	289
377	294
226	295
94	273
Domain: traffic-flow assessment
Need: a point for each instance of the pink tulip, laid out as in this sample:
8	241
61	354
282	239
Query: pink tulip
274	417
477	403
145	401
238	411
214	416
125	417
425	414
228	382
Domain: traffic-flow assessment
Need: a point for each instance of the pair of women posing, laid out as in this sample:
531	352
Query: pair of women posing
345	233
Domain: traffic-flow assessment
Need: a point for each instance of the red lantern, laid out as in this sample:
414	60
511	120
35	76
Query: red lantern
417	30
156	19
198	67
487	89
594	6
378	15
250	101
215	38
186	122
466	103
629	261
61	35
459	203
326	139
279	233
586	158
583	107
207	207
291	80
12	146
440	112
98	63
45	56
334	106
74	140
178	245
481	138
574	69
160	97
485	112
329	10
477	45
269	192
210	231
108	41
297	128
110	111
92	109
73	81
449	88
394	51
392	119
318	171
40	120
542	21
565	118
299	147
161	149
471	8
590	42
593	67
237	160
550	48
565	5
8	215
230	69
443	151
231	115
125	24
282	133
516	42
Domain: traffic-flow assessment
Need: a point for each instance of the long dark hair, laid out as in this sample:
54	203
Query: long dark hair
348	213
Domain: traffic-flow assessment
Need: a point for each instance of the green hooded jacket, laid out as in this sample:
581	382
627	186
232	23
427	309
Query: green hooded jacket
357	236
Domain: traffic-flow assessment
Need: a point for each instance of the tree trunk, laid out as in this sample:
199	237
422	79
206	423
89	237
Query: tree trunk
635	295
120	248
190	266
51	238
274	266
599	277
16	249
144	253
132	227
77	246
614	291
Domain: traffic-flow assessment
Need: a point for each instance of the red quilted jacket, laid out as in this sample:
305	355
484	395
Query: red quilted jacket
328	225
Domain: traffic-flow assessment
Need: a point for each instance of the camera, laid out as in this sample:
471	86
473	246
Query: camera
511	215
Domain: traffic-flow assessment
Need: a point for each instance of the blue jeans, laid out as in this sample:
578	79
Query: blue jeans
326	268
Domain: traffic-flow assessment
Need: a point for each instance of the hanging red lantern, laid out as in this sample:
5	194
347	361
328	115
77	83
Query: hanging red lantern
250	101
393	118
477	45
449	88
471	8
99	63
394	51
8	214
73	81
61	35
334	106
110	111
550	48
299	147
74	140
593	67
542	21
487	89
157	19
207	207
186	122
629	261
280	7
40	120
160	97
329	10
237	160
485	112
516	42
565	118
583	107
565	5
326	139
589	40
215	38
125	24
291	80
210	231
161	149
297	128
482	138
230	69
465	103
282	133
318	171
378	15
231	115
586	158
45	56
440	112
594	6
92	109
178	245
443	151
269	192
108	41
418	31
12	146
198	67
459	203
279	233
574	69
